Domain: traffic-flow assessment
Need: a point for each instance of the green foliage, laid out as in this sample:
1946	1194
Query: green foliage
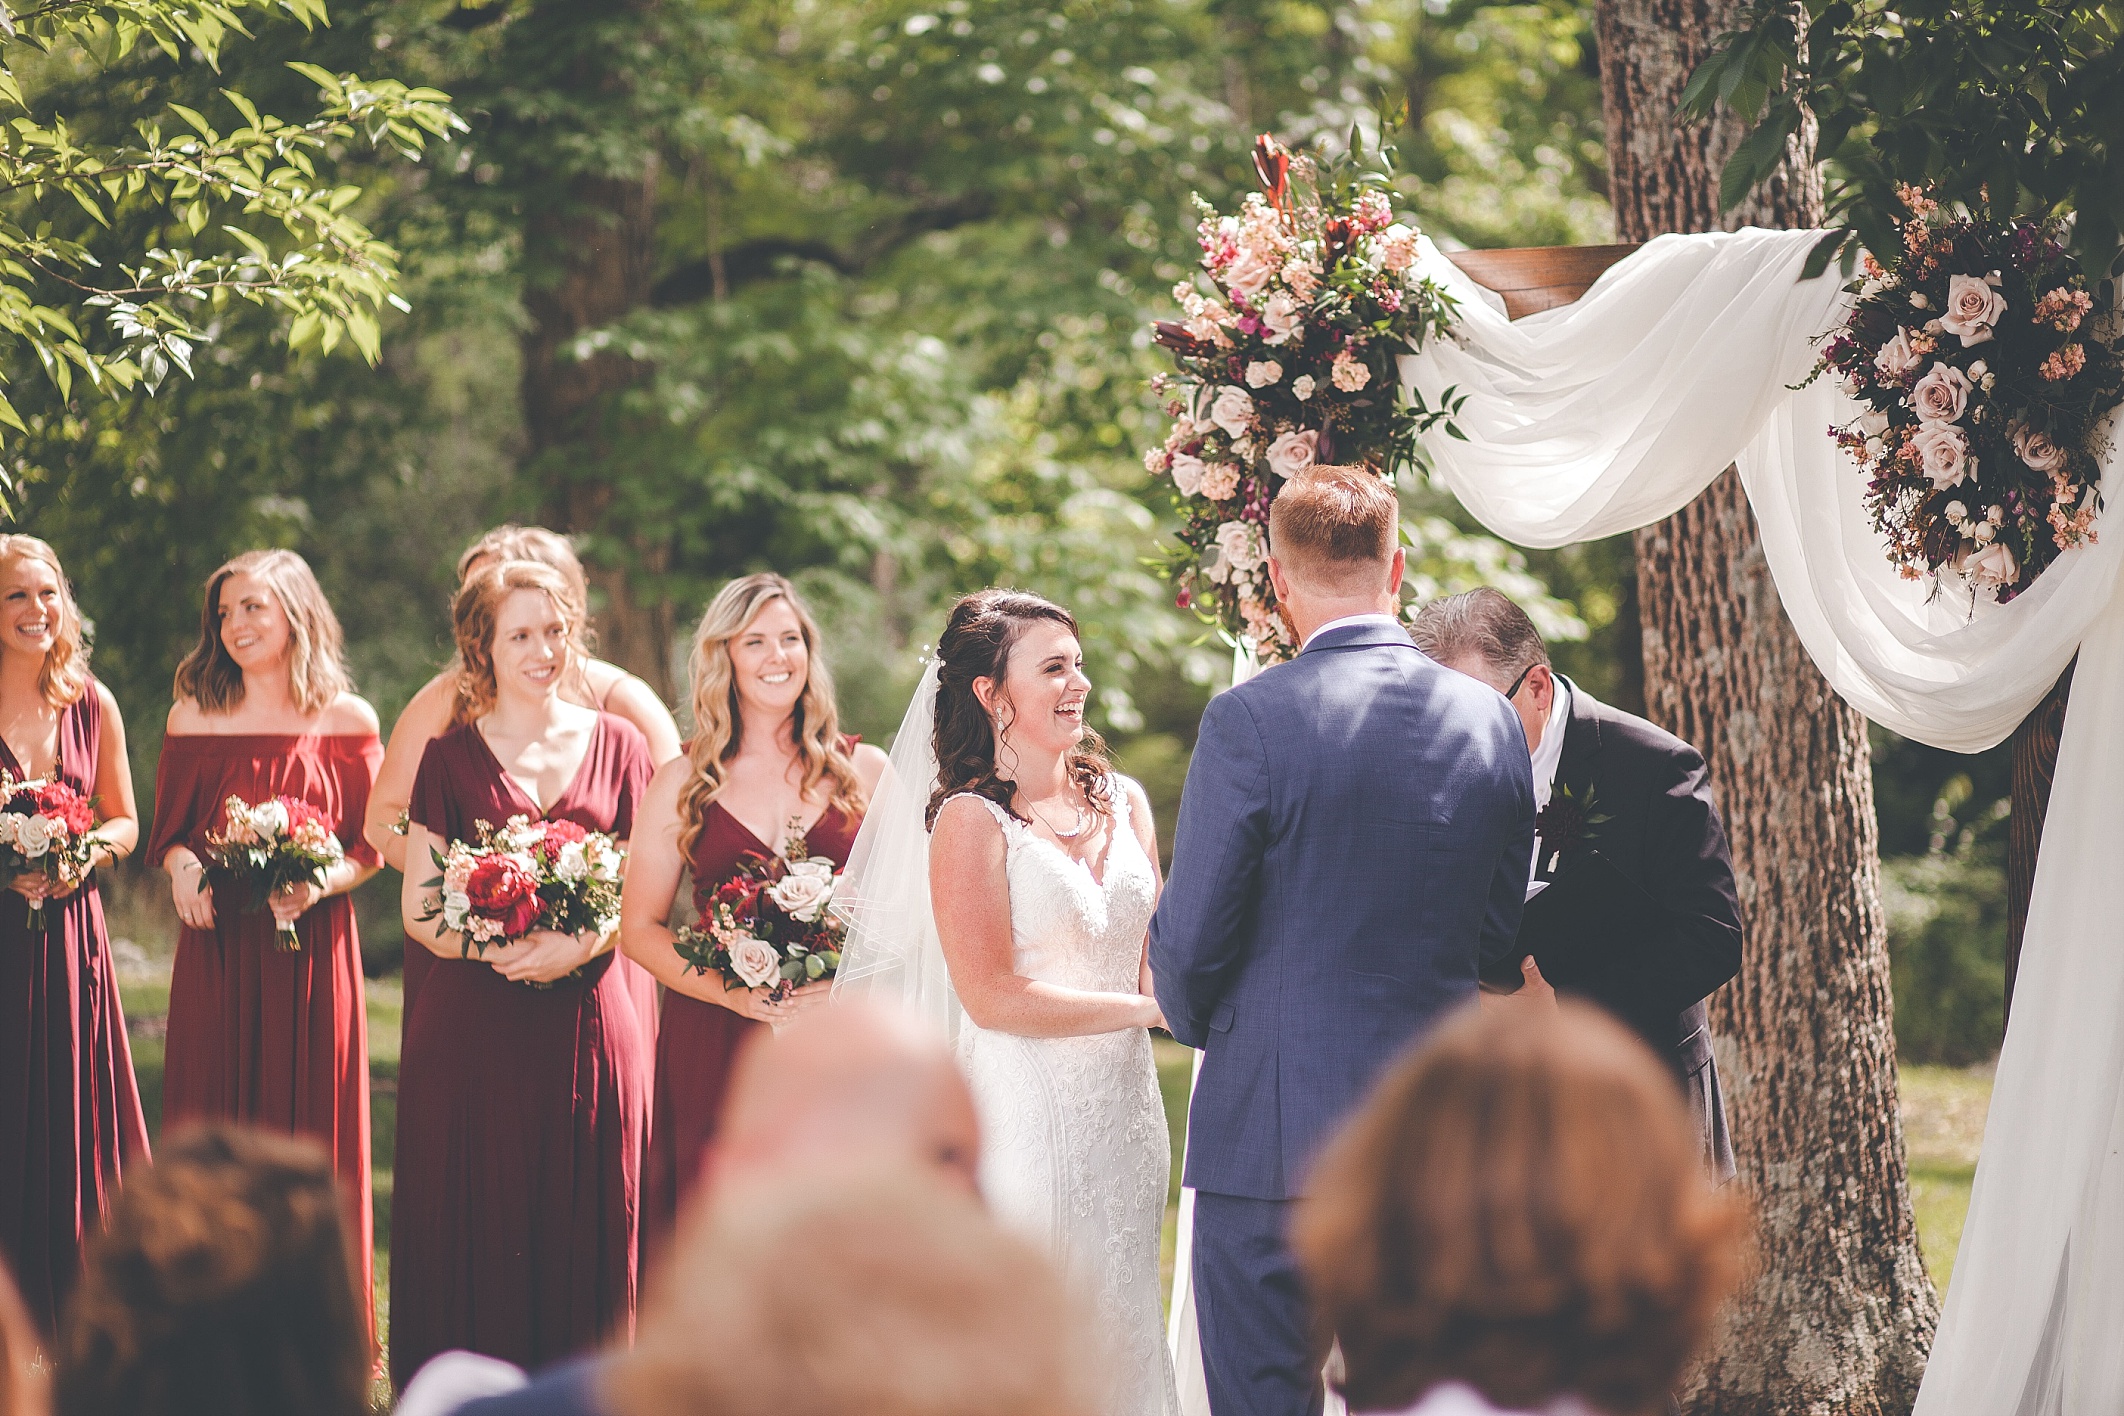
221	214
1947	932
2009	108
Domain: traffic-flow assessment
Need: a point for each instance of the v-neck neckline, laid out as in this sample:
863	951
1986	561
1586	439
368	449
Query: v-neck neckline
732	817
14	766
543	813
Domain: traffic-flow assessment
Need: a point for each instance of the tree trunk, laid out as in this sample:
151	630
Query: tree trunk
2035	763
588	261
1839	1314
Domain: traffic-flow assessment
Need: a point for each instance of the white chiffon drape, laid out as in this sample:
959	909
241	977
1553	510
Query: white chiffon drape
1614	411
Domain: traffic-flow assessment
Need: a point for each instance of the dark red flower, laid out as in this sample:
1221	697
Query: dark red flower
741	896
501	889
59	802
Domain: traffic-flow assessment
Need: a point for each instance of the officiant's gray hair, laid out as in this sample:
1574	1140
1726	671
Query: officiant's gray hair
1482	623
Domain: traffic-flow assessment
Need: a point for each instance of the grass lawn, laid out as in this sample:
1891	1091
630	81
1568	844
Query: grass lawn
1943	1119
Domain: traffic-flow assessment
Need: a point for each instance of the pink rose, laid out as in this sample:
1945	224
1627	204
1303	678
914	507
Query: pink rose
2038	450
1220	481
1942	396
1397	248
1973	307
1263	372
1233	411
754	960
1992	567
1348	374
1280	318
1292	452
1248	272
1896	357
1187	473
1240	541
1943	453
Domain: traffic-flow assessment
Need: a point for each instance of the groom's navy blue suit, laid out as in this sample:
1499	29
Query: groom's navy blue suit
1353	845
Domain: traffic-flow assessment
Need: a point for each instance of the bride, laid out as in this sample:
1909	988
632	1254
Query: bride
1003	884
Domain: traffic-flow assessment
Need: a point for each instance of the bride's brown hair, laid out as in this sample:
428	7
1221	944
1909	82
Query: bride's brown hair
976	644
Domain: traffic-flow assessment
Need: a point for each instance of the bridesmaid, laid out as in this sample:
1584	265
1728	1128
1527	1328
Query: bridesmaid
767	763
70	1117
270	1039
523	1112
593	683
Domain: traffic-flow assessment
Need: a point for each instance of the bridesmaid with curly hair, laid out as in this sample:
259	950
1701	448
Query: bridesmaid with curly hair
274	1039
768	772
70	1119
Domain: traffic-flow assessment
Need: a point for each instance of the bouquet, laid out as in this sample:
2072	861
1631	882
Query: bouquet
281	841
1288	356
768	926
527	875
1977	354
46	828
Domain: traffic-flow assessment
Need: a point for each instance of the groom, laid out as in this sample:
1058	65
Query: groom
1352	849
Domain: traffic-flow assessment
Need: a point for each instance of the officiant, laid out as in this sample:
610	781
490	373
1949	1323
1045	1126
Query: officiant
1643	918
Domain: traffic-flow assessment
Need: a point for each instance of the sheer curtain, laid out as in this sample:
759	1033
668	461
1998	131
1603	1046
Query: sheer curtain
1612	412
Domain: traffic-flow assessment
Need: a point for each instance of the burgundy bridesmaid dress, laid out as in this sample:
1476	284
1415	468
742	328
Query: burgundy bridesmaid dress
69	1106
698	1041
272	1039
523	1113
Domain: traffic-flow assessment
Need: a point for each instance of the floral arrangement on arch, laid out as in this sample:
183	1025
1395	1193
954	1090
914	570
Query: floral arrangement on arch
1288	356
1977	354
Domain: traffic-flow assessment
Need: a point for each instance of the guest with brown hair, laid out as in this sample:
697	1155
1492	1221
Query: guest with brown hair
1516	1221
264	708
223	1283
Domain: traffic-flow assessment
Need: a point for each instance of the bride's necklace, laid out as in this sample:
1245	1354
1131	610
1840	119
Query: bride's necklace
1083	821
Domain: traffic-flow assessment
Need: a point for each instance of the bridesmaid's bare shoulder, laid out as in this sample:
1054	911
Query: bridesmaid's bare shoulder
108	702
870	763
348	715
186	719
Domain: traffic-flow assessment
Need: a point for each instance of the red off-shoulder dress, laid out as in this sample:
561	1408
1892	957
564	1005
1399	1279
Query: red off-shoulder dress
272	1039
69	1106
523	1113
698	1041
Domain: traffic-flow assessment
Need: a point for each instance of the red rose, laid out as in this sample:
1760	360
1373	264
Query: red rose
501	889
62	803
740	895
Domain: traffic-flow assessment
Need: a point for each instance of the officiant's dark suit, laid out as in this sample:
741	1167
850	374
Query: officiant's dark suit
1641	797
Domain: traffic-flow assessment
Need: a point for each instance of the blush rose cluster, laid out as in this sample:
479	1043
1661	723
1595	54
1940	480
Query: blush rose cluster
268	846
1980	357
1287	357
769	926
526	875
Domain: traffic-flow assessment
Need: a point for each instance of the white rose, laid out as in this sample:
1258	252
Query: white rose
1233	411
1896	358
1248	272
1302	387
1263	372
1280	318
455	906
1187	473
1241	544
10	828
1292	452
1942	396
803	892
1873	422
1943	454
1991	567
573	862
270	820
754	961
34	836
1973	307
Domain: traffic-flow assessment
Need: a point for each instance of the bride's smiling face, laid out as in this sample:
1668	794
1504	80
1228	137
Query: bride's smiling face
1042	698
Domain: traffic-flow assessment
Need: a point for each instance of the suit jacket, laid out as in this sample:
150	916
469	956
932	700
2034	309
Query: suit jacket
1352	846
1663	832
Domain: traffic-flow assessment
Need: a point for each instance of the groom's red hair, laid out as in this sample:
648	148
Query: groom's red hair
1334	527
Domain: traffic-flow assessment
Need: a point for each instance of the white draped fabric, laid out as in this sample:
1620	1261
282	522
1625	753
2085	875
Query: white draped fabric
1612	412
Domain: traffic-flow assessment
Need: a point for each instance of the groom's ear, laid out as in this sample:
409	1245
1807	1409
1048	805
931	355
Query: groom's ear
1279	581
1397	569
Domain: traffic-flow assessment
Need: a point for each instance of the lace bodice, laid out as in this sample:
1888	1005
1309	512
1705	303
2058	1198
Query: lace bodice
1068	926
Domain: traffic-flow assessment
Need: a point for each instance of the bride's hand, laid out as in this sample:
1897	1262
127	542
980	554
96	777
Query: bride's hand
1157	1015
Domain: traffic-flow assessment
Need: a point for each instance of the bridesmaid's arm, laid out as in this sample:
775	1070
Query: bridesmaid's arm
970	891
417	898
117	813
870	765
637	702
1146	829
425	718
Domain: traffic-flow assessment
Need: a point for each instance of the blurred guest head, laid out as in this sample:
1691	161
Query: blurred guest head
1333	546
1482	634
1519	1207
23	1391
265	612
845	1083
221	1283
519	629
39	620
855	1291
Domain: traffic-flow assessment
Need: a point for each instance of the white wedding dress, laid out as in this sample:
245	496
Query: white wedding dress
1074	1147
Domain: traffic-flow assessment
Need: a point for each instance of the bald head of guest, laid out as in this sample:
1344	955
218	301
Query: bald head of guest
844	1083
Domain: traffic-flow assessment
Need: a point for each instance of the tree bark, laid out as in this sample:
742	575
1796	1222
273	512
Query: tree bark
2035	764
1838	1314
588	262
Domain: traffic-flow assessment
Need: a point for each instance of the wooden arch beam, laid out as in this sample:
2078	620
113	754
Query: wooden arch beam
1536	278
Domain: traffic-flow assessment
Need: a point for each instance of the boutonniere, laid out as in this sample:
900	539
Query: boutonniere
1571	818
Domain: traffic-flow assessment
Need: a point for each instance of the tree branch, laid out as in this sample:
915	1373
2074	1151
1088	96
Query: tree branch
750	262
